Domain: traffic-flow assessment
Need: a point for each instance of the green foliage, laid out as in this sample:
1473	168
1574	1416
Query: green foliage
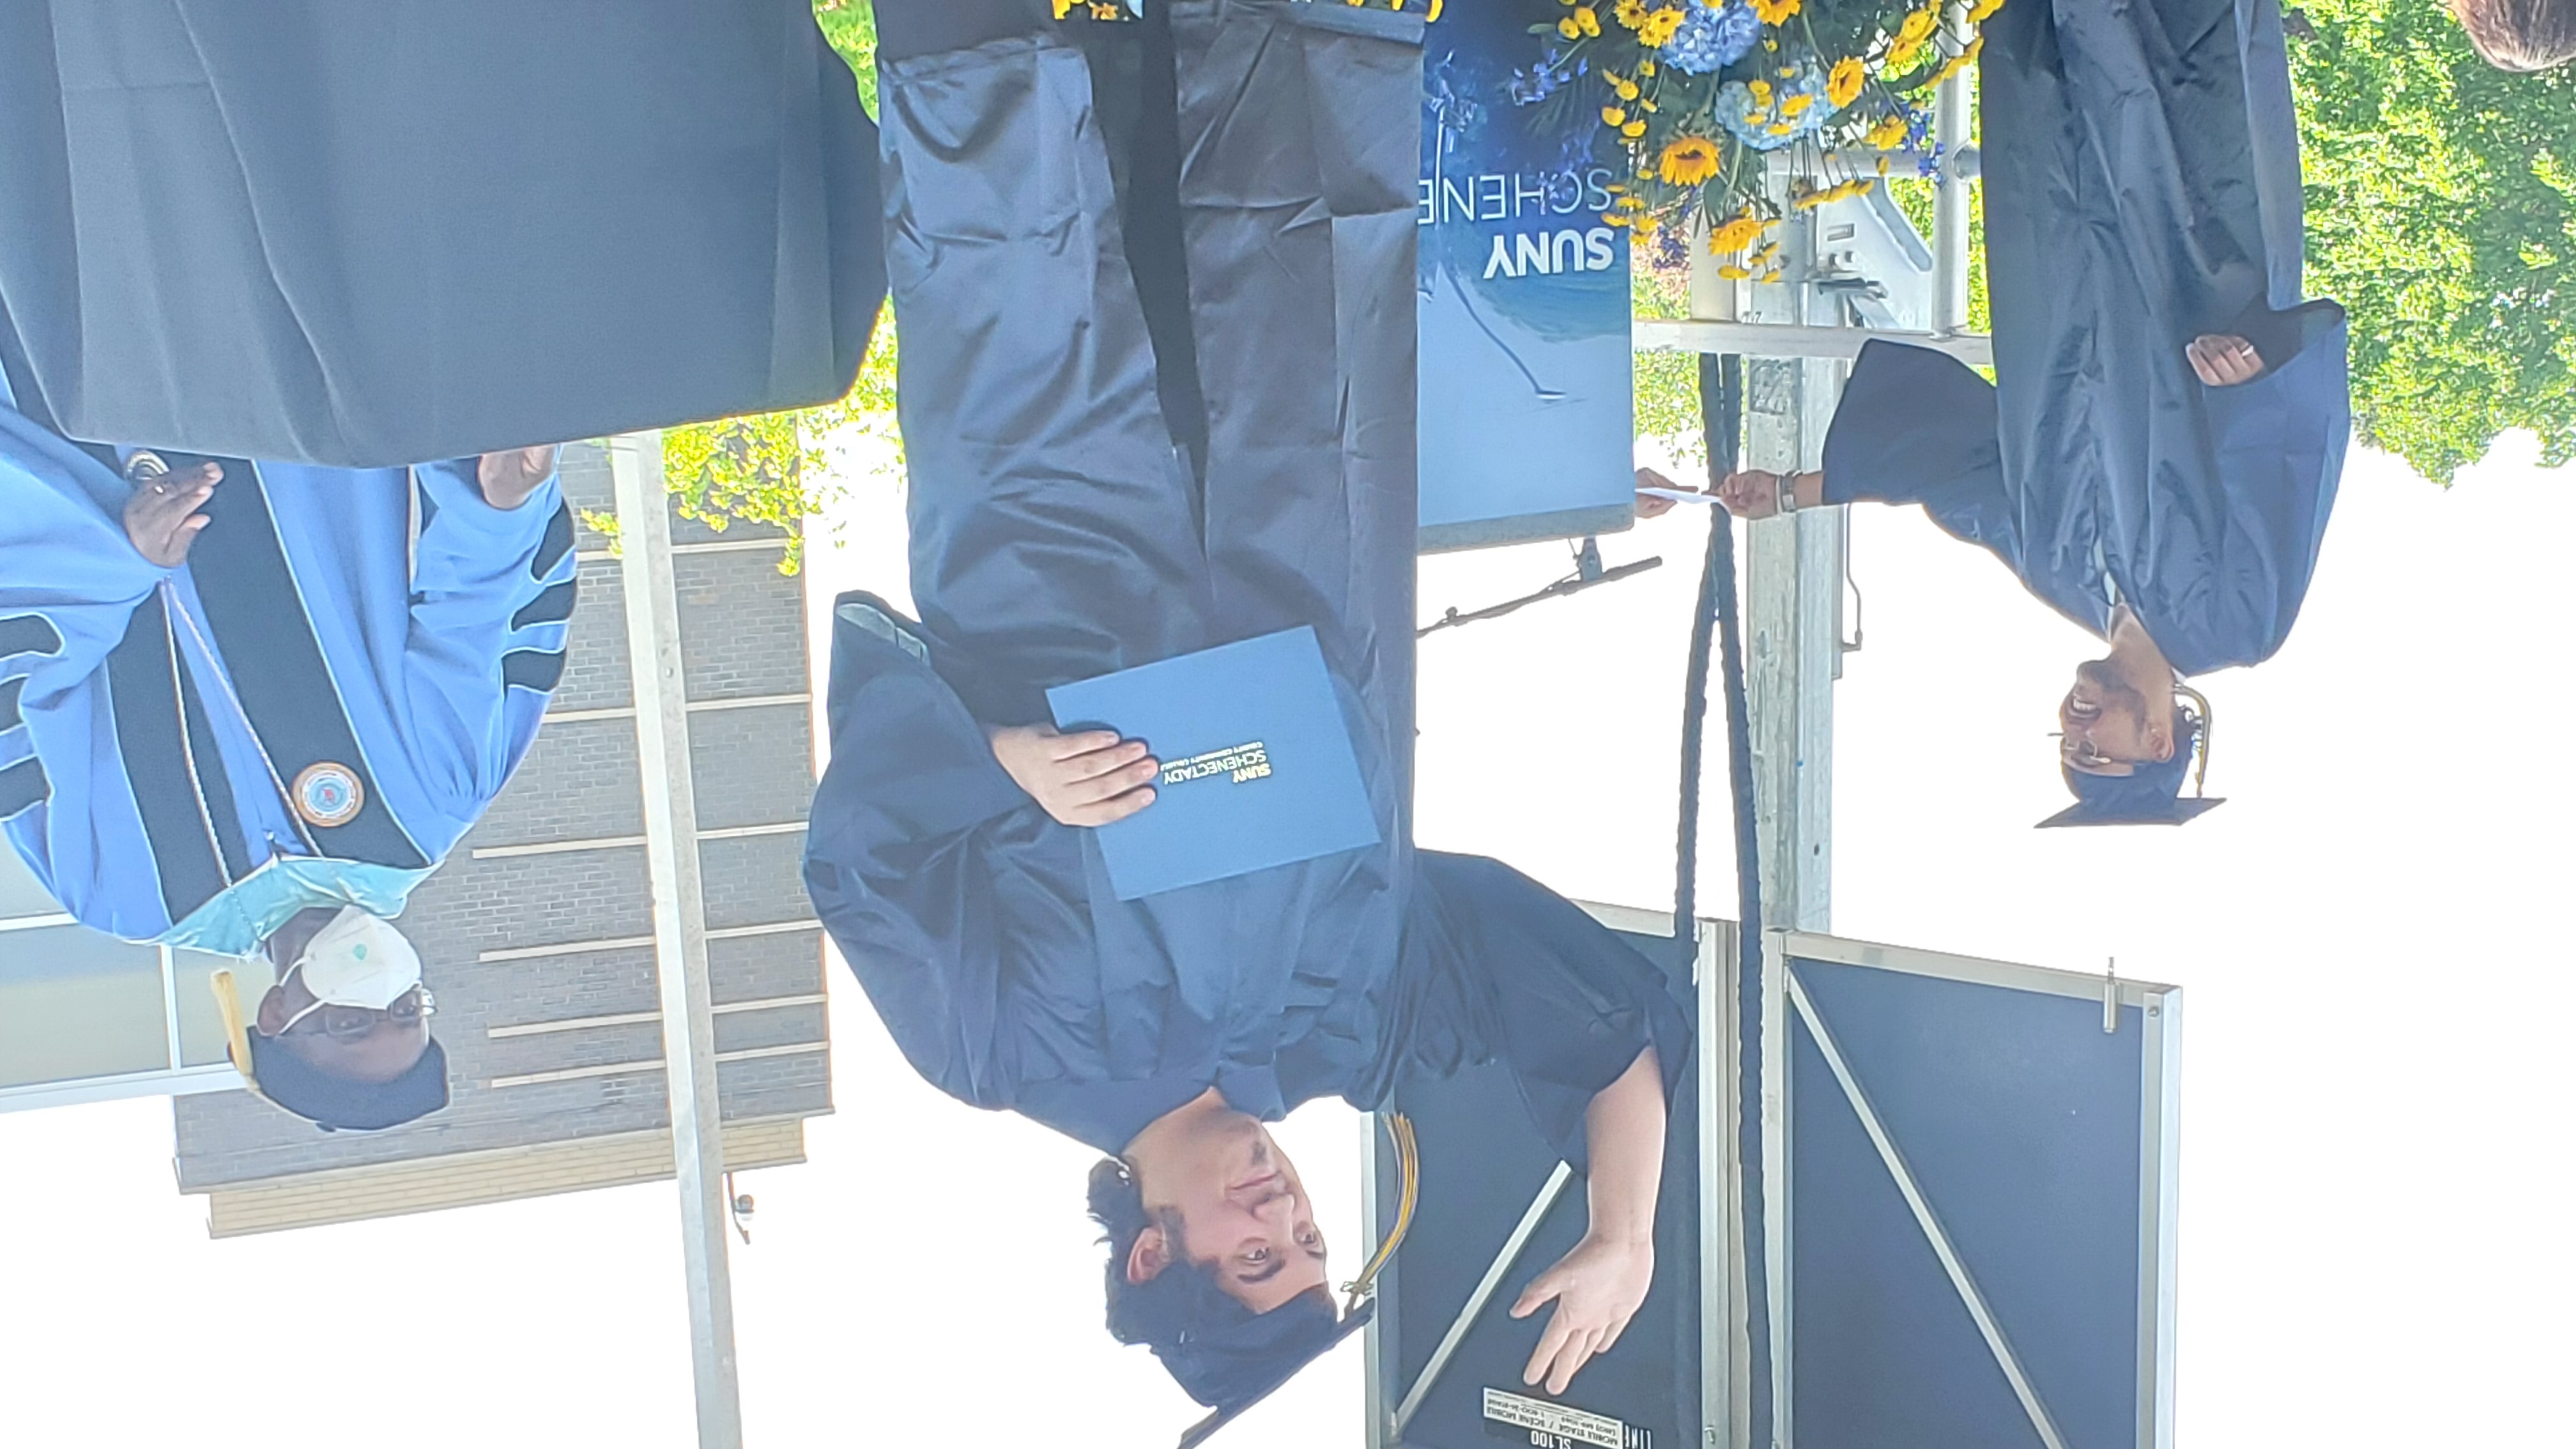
850	27
770	468
2441	211
1667	387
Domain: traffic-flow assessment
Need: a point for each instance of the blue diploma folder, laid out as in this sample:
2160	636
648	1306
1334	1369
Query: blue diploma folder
1257	763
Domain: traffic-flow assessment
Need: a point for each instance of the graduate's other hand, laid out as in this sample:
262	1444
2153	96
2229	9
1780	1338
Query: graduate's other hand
1597	1288
1091	778
162	518
1753	493
2224	360
509	477
1648	505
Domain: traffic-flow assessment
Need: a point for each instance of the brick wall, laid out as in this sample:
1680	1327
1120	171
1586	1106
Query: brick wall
743	636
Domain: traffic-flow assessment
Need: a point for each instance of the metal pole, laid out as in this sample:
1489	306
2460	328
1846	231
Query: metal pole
1790	340
1950	200
679	926
1793	588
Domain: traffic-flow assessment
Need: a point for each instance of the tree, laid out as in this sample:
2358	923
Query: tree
2441	201
2441	211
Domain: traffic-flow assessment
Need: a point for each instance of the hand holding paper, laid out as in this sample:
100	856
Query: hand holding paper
1656	494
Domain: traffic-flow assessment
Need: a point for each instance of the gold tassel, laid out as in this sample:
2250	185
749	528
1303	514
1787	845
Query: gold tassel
1408	1163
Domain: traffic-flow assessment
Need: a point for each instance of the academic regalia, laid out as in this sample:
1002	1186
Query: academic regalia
1072	514
309	712
367	234
979	927
2141	188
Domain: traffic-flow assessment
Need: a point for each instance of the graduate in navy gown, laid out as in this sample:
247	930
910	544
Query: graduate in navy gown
247	707
1155	280
2158	454
364	235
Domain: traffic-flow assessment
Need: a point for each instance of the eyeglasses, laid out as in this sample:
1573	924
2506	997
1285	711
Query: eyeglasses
348	1022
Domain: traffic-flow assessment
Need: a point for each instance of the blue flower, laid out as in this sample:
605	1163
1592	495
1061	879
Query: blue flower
1712	36
1765	122
1531	86
1669	253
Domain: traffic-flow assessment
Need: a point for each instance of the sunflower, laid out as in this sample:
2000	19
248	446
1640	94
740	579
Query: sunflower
1657	28
1734	235
1910	38
1774	12
1889	133
1843	86
1687	161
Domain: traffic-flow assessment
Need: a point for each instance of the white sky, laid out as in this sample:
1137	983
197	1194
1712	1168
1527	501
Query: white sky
2372	1241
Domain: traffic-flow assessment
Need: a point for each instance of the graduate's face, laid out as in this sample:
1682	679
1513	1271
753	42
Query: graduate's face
1224	1193
2105	725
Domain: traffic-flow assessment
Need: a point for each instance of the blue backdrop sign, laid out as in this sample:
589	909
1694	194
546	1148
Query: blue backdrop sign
1527	420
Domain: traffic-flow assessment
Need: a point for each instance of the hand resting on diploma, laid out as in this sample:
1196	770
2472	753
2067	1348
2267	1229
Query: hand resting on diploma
1092	778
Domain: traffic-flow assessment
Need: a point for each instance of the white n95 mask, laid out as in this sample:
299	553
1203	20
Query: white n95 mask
357	960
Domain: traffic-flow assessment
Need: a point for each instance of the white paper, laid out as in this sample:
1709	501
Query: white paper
1677	495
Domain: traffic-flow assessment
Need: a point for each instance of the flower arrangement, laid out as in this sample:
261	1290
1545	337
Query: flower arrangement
1700	93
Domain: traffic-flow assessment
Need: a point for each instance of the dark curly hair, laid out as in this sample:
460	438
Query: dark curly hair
1183	1299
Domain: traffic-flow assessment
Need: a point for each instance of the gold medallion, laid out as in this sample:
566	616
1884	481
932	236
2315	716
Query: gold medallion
327	795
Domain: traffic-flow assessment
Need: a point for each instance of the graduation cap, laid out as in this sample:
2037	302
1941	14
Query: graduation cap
1238	1364
284	1081
2151	793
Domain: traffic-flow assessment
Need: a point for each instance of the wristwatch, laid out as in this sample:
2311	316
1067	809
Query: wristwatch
1788	496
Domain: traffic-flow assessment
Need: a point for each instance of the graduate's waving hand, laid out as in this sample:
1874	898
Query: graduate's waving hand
162	518
1089	778
508	478
1597	1288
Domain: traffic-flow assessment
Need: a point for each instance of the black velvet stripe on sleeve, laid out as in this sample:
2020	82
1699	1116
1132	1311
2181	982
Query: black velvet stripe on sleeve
552	606
10	692
532	669
22	787
29	634
557	543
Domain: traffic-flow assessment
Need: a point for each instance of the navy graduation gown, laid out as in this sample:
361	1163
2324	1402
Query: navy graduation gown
364	235
1145	414
978	927
2141	188
149	716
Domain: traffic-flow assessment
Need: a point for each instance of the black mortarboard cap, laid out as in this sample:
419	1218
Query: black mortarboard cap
336	1104
2150	794
331	1103
1235	1366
